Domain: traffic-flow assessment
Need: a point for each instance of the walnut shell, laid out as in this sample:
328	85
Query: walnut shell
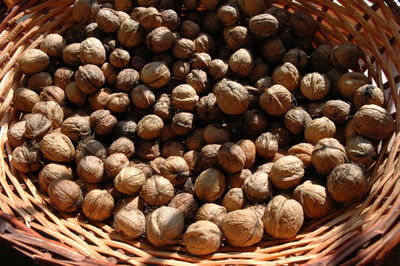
210	185
108	20
287	172
276	100
347	183
149	127
184	97
175	169
348	83
302	24
182	123
242	228
127	79
122	145
236	180
202	238
114	163
361	151
346	55
315	86
90	169
251	7
157	191
368	94
51	172
263	25
98	205
70	54
231	157
92	51
57	147
336	110
155	75
327	154
130	33
130	223
287	75
53	93
250	152
65	195
90	147
24	99
234	199
53	44
36	126
283	217
103	122
231	96
89	78
75	95
266	145
318	129
25	158
129	180
42	79
16	134
33	61
76	127
241	62
160	39
303	152
296	120
186	204
257	187
211	212
208	109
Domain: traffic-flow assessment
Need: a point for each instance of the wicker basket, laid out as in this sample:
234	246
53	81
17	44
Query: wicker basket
355	234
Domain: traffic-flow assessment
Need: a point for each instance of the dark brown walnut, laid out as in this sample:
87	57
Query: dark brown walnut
231	96
130	180
236	180
186	204
90	169
75	95
208	109
163	108
260	69
137	62
51	172
157	191
287	172
183	48
327	154
53	93
296	120
16	134
53	44
229	13
189	29
297	58
164	57
103	122
210	185
108	20
195	140
283	217
218	69
349	130
130	33
33	61
114	163
280	14
257	187
302	151
24	99
88	147
160	39
65	195
127	79
264	83
191	4
25	158
287	75
205	43
126	128
273	50
172	148
164	226
130	223
315	86
336	110
57	147
202	238
182	123
314	109
98	205
266	145
346	56
368	94
129	202
374	122
170	19
84	10
198	79
242	228
251	8
122	145
180	69
318	129
175	169
231	157
249	149
89	78
39	80
347	183
151	19
302	24
147	150
70	54
149	127
210	4
254	123
276	100
184	97
320	58
241	62
36	126
263	25
137	12
110	74
211	212
350	82
237	37
216	134
76	127
155	75
361	151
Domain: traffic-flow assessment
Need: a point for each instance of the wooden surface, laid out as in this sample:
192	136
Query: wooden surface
10	3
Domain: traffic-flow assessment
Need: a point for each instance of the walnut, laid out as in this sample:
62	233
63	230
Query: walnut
114	163
119	58
302	24
24	99
70	54
118	102
211	212
41	79
163	107
200	61
296	120
76	127
75	95
84	10
151	19
149	127
129	180
287	75
57	147
231	96
36	126
160	39
266	145
318	129
183	48
192	158
249	149
90	147
273	50
110	74
350	82
320	58
347	183
16	134
287	172
195	140
102	121
216	134
89	78
53	44
303	152
90	169
263	25
315	86
129	202
276	100
237	37
242	228
164	226
231	157
98	205
251	7
183	123
283	217
33	61
108	20
127	79
210	185
157	191
205	43
170	19
130	223
147	150
327	154
25	158
186	204
368	94
236	180
229	14
297	58
265	168
65	195
180	69
336	110
155	75
53	93
208	109
257	187
175	169
51	172
374	122
346	55
361	151
184	97
130	33
92	51
202	238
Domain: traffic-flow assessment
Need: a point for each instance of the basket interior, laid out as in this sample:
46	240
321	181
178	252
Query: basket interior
364	227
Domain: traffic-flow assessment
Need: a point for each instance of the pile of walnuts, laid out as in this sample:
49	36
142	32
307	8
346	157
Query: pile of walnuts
204	120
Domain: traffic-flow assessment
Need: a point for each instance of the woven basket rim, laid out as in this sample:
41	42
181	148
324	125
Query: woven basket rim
370	228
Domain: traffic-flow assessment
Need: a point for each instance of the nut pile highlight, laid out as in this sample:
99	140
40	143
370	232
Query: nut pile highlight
208	121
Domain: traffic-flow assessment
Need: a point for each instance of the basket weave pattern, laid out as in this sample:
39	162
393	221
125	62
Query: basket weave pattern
355	234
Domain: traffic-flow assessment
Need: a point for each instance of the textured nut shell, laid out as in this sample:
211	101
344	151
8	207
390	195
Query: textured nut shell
350	82
231	157
287	75
118	102
315	86
314	199
90	169
74	95
287	172
122	145
175	169
92	51
51	172
164	226
202	238
361	151
57	147
25	159
283	217
36	126
107	20
296	120
130	223
266	145
211	212
257	187
249	149
208	109
185	203
263	25
142	96
327	154
210	185
242	228
114	163
336	110
150	127
346	55
234	199
157	191
90	147
33	60
76	127
236	180
52	44
241	62
89	78
368	94
318	129
182	123
231	96
65	195
130	33
98	205
155	75
251	7
53	93
43	79
302	24
347	183
160	39
70	54
373	121
24	99
276	100
302	151
16	134
184	97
